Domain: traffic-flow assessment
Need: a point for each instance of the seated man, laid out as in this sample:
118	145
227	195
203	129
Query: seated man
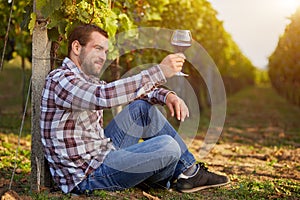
83	156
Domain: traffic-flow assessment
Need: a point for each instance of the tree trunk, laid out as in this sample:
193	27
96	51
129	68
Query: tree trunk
40	174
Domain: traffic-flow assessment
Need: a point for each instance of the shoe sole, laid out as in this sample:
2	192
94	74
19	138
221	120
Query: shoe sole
202	188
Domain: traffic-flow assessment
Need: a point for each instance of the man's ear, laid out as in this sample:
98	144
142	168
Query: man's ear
76	47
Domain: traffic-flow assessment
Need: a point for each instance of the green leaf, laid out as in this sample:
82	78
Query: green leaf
54	20
26	16
31	24
111	26
125	22
40	4
50	7
53	34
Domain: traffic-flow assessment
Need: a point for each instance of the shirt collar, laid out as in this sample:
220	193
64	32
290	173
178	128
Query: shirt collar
67	62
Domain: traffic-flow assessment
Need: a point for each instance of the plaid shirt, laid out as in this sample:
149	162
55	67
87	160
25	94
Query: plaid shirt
71	117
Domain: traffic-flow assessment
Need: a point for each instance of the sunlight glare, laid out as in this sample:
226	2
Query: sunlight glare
290	5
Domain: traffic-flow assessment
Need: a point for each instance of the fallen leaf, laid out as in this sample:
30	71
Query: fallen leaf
10	195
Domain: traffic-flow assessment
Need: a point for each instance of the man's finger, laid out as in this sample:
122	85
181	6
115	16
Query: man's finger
181	55
182	113
177	110
170	106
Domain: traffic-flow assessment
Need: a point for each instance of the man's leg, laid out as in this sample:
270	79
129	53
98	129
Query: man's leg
154	160
135	162
143	120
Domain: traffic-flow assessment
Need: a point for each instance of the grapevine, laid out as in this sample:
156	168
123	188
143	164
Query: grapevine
123	15
284	65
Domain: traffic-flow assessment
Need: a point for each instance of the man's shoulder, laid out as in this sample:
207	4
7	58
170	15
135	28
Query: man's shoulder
59	70
67	67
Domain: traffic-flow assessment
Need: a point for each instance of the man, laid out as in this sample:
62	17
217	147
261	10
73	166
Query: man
83	156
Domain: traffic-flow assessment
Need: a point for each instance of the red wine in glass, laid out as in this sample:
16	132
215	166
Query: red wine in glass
181	40
180	47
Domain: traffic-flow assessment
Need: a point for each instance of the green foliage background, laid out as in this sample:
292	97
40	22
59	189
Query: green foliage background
19	39
284	63
117	16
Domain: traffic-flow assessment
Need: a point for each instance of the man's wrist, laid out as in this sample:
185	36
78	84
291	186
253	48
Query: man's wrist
157	75
169	93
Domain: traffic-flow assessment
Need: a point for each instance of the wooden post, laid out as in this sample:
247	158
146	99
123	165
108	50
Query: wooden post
40	174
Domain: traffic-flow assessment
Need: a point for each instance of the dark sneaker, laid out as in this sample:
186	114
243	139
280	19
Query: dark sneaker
202	179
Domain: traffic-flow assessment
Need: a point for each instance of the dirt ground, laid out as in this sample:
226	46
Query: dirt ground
237	160
253	161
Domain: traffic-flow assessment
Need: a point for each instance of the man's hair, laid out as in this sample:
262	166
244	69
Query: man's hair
82	34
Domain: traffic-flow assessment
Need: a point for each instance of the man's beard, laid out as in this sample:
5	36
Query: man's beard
88	65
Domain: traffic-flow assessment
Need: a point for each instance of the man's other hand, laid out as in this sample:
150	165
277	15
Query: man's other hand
177	107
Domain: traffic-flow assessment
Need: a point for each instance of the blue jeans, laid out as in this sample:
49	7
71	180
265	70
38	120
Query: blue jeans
160	158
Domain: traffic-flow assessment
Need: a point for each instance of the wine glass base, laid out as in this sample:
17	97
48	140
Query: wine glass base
181	74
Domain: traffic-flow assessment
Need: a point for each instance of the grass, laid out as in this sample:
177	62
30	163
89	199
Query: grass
11	96
259	148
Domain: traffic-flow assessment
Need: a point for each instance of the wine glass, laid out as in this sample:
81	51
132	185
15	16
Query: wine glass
181	40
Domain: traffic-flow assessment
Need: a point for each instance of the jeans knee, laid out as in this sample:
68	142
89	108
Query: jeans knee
144	105
170	146
139	108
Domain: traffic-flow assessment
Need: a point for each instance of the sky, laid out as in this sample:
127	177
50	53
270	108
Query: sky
255	25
